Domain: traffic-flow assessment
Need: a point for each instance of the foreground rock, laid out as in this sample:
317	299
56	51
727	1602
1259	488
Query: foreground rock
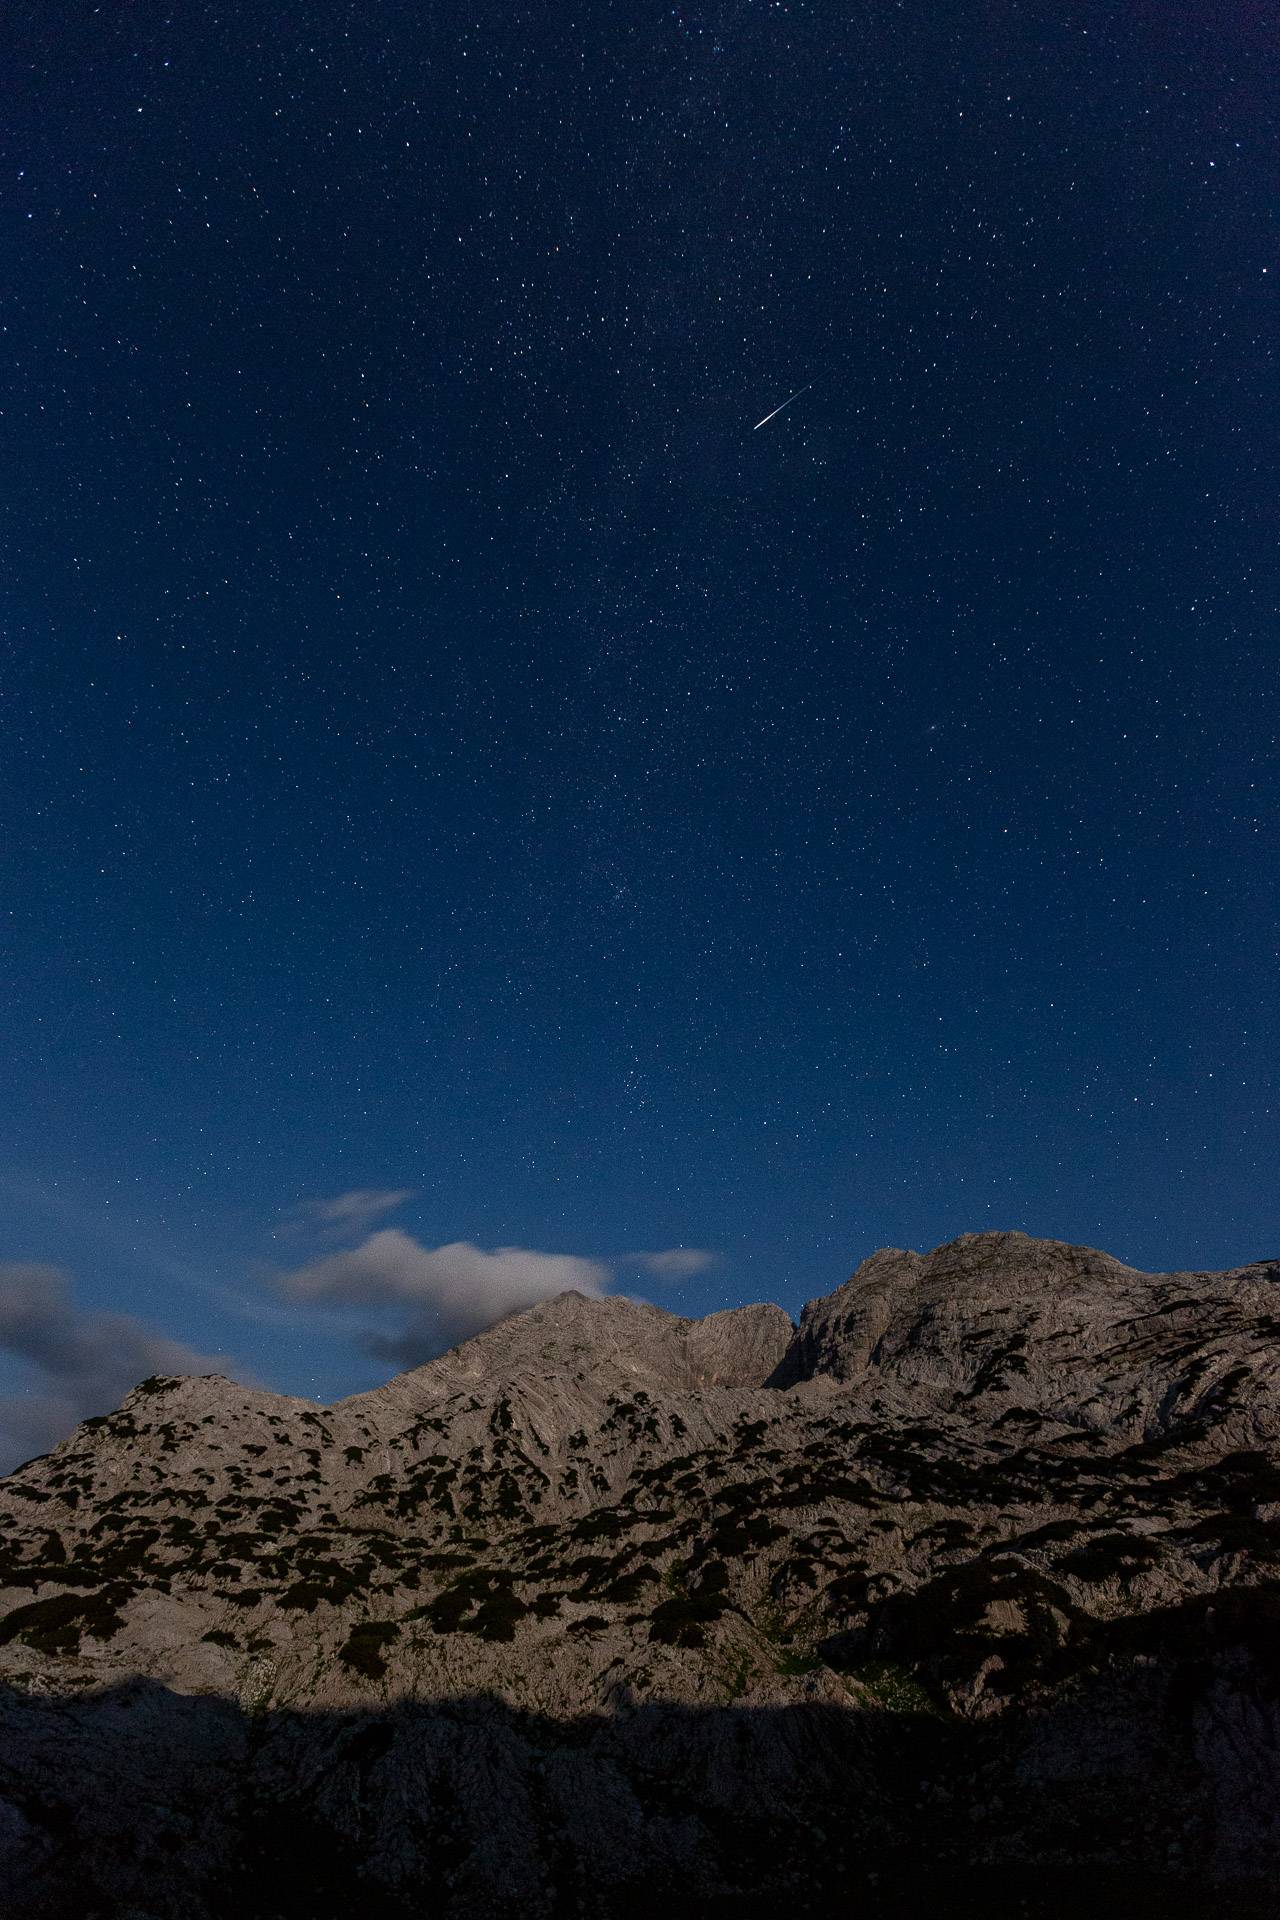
966	1590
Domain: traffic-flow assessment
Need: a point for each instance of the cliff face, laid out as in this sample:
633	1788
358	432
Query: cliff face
974	1572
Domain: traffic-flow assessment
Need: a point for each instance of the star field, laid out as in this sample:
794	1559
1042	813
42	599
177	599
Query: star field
448	749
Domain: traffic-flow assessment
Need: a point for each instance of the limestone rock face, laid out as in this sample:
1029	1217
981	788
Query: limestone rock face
966	1589
1069	1334
601	1343
741	1348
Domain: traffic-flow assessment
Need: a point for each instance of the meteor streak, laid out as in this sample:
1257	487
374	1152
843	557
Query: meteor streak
777	410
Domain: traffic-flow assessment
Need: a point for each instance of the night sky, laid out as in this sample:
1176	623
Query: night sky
464	783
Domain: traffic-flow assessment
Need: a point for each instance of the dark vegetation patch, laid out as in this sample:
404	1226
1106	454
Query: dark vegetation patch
613	1579
947	1627
55	1626
804	1486
626	1588
948	1534
1235	1532
799	1570
36	1573
851	1593
306	1595
605	1524
738	1535
1051	1533
277	1514
683	1618
362	1650
1237	1481
790	1661
892	1686
482	1601
1109	1556
501	1420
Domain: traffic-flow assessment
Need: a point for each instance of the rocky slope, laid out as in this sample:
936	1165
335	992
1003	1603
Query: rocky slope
964	1591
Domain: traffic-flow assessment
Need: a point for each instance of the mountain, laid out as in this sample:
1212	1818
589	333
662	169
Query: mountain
963	1593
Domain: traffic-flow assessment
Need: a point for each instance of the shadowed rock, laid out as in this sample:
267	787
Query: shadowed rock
142	1801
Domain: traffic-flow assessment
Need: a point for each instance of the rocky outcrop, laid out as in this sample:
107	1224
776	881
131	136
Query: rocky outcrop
1000	1322
979	1565
741	1348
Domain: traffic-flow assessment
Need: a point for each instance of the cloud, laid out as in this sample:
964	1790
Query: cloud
451	1291
349	1212
672	1264
83	1363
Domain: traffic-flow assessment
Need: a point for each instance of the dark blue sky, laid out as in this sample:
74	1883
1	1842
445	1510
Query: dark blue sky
448	750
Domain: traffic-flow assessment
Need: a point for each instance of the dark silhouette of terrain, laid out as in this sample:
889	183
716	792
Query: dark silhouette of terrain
139	1801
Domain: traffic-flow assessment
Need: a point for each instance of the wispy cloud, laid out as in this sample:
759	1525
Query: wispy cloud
346	1213
82	1362
450	1291
672	1264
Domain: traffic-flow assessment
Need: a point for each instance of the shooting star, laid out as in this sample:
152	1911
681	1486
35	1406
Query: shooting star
777	410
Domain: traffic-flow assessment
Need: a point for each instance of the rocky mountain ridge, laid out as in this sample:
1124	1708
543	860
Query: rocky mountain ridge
994	1533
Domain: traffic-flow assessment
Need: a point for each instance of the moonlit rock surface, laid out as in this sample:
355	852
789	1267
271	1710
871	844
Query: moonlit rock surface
975	1573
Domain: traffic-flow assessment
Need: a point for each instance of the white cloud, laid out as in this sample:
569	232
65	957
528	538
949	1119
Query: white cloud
452	1291
350	1212
673	1264
82	1363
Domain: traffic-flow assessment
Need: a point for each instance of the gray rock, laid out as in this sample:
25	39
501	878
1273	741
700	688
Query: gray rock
977	1567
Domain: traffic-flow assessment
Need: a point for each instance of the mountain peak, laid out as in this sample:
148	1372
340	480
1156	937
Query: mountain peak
1006	1466
590	1343
1004	1312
